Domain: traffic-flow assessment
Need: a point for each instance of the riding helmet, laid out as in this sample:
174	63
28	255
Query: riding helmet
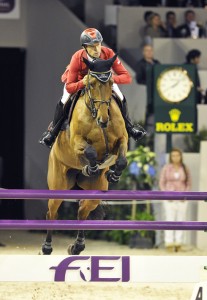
90	36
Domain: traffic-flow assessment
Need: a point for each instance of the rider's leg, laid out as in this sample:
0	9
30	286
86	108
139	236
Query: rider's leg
50	135
135	133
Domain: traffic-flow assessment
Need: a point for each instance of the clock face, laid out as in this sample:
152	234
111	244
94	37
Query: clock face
174	85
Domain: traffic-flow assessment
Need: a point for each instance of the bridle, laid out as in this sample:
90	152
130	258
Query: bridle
102	77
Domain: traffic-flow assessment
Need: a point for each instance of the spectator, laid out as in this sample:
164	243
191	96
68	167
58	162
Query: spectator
171	24
193	58
147	21
190	28
175	177
145	64
144	75
147	15
156	29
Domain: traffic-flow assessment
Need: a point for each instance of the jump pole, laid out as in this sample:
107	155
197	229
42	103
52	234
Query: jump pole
96	194
189	267
99	225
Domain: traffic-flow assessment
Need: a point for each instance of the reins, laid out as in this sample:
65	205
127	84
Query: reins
92	101
94	111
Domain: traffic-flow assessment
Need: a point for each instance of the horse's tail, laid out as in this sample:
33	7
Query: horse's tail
100	212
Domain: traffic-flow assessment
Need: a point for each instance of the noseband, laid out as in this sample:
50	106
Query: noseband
101	77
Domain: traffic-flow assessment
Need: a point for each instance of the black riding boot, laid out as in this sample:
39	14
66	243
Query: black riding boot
48	137
136	133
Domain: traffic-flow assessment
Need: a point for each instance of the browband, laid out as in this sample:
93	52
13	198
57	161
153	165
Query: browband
103	77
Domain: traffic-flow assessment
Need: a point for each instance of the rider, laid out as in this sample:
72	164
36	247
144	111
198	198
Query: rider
75	79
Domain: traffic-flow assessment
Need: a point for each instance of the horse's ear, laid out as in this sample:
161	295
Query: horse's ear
114	57
87	62
112	60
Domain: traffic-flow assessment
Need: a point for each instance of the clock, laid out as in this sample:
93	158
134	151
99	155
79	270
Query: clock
174	84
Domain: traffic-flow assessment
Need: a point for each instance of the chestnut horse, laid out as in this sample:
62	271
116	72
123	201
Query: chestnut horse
82	154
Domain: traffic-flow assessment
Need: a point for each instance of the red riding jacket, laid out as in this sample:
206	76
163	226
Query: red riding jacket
77	69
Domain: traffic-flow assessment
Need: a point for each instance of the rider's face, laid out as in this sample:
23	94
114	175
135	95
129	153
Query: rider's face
94	50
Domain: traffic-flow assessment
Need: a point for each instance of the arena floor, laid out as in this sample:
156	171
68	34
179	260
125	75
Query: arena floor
23	242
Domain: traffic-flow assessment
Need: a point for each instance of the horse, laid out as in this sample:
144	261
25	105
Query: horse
91	152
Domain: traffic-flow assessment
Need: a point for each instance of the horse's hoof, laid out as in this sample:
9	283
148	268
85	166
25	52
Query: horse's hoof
75	250
46	250
112	177
70	249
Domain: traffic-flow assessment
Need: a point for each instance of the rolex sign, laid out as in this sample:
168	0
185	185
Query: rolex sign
174	98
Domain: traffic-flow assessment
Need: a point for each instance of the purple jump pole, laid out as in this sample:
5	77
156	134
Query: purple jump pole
103	195
99	225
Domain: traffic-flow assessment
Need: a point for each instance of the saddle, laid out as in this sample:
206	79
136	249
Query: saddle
69	108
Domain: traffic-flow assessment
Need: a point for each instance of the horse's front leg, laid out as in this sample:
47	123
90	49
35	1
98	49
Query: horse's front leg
113	176
87	156
92	169
53	205
85	207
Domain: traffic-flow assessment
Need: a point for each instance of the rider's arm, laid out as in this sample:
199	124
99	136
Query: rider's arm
70	77
121	74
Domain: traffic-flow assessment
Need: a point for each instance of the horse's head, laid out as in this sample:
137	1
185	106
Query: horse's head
99	89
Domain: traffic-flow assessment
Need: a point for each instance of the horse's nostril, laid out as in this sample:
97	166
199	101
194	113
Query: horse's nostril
103	124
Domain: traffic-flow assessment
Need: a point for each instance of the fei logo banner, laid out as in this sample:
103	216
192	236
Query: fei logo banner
146	269
94	268
66	269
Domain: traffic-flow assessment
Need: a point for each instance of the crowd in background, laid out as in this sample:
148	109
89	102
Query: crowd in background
156	28
165	3
175	175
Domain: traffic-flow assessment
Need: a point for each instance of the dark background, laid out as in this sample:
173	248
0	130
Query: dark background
12	71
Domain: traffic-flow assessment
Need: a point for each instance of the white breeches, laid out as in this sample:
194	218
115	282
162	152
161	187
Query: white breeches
175	211
65	95
115	88
117	91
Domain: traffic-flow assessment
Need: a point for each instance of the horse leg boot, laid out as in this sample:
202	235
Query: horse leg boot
85	207
47	245
113	176
92	169
79	244
136	133
48	137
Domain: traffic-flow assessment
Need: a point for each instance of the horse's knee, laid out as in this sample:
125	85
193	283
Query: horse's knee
121	163
90	154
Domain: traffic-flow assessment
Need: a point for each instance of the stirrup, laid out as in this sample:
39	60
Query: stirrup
47	139
137	132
